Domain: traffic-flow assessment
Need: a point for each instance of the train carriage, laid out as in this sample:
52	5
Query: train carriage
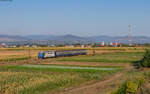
50	54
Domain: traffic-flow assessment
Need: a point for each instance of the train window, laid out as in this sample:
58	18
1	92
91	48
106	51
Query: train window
50	52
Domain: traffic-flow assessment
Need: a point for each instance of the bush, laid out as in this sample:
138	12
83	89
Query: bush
130	86
145	62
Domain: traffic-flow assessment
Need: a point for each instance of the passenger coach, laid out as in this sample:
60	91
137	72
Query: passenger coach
49	54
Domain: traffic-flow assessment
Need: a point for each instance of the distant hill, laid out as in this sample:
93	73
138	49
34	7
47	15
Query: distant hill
74	39
41	37
8	38
120	39
56	38
71	38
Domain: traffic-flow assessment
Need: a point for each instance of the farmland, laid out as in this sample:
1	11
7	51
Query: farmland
30	80
118	57
15	54
101	73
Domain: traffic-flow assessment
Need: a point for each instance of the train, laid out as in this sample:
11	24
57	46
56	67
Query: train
51	54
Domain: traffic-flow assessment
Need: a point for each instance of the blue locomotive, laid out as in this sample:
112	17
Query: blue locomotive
49	54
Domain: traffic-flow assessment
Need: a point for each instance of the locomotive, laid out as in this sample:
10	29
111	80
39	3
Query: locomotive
50	54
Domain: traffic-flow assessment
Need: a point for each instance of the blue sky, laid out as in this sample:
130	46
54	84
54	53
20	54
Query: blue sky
77	17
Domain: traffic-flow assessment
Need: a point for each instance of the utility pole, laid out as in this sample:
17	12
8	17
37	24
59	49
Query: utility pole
29	53
130	35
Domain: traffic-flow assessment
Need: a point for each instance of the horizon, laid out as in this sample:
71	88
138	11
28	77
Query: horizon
72	35
79	18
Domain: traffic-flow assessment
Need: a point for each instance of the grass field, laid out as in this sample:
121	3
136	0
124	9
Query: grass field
116	57
103	72
31	80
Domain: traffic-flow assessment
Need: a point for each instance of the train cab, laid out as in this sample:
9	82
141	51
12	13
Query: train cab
46	54
41	55
49	54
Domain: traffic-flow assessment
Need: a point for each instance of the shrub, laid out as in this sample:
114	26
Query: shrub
145	62
131	86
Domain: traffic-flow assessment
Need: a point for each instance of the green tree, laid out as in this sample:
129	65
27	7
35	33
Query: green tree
145	62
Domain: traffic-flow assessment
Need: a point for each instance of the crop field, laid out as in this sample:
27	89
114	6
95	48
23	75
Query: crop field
116	57
15	55
34	79
104	72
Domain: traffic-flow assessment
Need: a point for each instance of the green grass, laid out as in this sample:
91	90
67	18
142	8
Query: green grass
118	57
25	80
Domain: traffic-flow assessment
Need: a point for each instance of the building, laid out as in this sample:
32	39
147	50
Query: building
83	46
111	44
102	44
115	44
3	45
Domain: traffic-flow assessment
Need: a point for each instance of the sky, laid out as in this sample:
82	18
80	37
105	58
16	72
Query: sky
76	17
